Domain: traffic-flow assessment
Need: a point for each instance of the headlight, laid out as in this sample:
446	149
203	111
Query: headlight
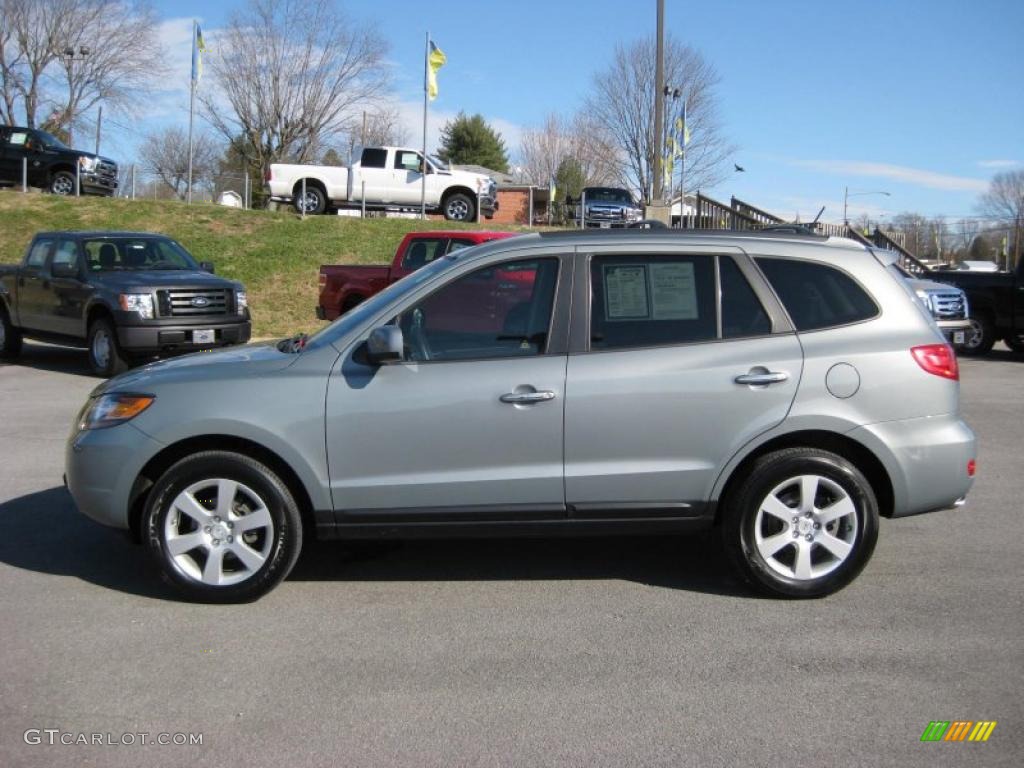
138	302
87	163
111	410
925	298
241	302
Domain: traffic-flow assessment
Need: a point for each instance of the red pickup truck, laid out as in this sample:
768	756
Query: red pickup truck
343	287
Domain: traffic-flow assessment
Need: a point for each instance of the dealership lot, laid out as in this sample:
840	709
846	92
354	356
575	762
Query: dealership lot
580	652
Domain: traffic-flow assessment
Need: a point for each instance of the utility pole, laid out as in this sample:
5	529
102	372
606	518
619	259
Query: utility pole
659	108
99	124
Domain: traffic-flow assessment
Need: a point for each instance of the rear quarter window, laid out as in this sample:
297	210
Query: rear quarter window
816	295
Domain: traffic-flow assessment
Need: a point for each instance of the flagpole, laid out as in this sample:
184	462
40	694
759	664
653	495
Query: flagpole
426	94
191	110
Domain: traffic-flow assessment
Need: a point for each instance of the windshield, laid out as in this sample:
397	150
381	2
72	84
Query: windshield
605	195
440	164
51	141
136	254
354	317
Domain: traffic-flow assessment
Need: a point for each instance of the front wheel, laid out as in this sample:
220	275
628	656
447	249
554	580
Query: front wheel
459	207
979	337
10	337
63	183
223	527
105	356
802	523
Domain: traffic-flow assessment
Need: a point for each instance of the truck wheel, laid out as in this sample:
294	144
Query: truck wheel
63	183
10	337
351	303
223	527
802	522
313	203
979	337
105	356
459	207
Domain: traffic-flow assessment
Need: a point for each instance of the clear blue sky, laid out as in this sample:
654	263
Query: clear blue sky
922	99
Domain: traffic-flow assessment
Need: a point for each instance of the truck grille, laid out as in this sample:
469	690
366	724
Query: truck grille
949	306
602	213
194	302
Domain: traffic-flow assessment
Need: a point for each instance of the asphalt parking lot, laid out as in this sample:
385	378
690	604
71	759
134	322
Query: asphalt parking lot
567	652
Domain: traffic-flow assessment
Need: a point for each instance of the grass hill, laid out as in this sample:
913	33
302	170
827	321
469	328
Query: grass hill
275	253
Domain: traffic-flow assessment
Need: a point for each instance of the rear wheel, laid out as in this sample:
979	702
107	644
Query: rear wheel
312	202
105	356
223	527
802	523
10	337
979	337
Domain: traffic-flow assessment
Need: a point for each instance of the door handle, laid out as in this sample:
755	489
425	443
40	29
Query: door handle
525	398
768	377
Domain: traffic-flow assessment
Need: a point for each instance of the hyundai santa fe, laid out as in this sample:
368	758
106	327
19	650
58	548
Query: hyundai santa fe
785	390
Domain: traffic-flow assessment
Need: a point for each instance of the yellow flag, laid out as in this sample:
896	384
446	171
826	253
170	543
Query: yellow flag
435	60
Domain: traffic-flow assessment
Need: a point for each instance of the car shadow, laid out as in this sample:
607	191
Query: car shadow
45	533
56	359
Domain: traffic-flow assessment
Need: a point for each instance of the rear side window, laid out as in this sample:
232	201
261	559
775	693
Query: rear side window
37	256
645	301
742	312
817	295
374	158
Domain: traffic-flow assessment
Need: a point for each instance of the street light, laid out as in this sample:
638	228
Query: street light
69	55
848	194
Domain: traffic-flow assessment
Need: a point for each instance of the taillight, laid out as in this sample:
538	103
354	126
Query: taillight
322	280
971	468
937	359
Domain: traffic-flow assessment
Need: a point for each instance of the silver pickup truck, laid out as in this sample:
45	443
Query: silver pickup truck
947	304
607	207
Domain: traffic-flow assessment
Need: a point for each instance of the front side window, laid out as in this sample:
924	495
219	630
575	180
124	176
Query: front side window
127	254
407	161
498	311
645	301
816	295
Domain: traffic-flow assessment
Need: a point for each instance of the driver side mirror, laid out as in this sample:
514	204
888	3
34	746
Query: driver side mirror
385	345
206	266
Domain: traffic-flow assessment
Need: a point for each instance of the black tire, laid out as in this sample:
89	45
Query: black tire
280	544
106	358
459	207
351	303
313	204
979	337
776	476
62	183
10	337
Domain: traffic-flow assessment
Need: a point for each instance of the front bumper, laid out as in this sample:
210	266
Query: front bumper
926	460
179	338
99	183
101	466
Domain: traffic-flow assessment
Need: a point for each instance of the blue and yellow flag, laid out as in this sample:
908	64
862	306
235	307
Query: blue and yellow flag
198	49
435	60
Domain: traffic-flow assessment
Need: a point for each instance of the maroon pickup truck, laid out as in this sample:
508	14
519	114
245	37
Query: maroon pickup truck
343	287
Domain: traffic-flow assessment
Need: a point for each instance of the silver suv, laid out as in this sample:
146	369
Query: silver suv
785	390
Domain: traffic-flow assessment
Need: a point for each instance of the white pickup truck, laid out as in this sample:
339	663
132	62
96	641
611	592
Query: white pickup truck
391	178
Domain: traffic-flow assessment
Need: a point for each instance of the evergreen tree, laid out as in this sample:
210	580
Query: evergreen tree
471	141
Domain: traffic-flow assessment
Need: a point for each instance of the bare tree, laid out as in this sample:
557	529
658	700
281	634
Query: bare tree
1004	201
622	103
112	63
164	153
291	74
377	127
543	149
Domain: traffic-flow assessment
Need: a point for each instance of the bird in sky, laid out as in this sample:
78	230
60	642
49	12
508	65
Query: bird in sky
739	168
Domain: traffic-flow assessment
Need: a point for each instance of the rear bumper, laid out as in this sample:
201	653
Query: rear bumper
179	338
926	460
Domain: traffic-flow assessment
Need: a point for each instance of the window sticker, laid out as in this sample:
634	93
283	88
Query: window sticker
673	291
625	292
18	138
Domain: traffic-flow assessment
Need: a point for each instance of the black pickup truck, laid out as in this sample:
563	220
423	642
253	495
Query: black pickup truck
51	165
997	307
125	296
